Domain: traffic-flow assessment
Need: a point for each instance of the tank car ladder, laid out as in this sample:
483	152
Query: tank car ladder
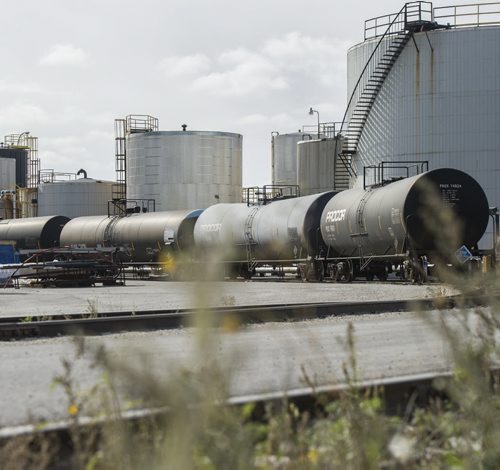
109	230
249	240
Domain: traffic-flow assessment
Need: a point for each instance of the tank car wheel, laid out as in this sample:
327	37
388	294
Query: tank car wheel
370	277
343	272
382	275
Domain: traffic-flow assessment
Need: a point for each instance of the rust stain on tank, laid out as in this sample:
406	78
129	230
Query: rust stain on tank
417	73
432	73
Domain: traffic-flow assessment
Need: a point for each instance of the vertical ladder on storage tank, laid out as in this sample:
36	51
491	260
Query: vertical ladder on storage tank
119	189
131	124
249	240
397	31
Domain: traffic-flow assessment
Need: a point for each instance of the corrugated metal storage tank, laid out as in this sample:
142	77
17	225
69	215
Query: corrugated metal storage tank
7	173
75	198
284	156
184	169
315	166
440	102
19	157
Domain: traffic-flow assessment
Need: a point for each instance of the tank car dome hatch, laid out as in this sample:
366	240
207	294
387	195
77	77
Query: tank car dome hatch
75	198
184	169
382	220
33	232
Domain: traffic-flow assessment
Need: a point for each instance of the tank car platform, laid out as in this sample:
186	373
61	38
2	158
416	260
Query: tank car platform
150	295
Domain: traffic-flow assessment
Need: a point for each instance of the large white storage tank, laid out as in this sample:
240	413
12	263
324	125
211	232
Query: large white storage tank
75	198
284	156
184	169
316	166
440	101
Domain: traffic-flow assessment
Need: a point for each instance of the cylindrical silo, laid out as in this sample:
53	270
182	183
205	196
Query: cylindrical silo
317	166
284	156
439	103
18	157
7	173
184	169
75	198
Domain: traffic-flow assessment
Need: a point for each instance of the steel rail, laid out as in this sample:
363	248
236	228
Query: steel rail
393	387
116	322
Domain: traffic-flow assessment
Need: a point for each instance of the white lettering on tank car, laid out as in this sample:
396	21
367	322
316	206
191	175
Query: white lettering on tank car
335	216
211	227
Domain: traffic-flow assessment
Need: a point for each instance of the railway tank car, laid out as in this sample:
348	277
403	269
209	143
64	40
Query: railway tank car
143	236
33	232
282	232
367	231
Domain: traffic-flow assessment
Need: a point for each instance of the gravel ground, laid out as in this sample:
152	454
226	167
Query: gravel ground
257	358
148	295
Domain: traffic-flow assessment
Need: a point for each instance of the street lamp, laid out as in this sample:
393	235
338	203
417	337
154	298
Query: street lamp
26	133
311	112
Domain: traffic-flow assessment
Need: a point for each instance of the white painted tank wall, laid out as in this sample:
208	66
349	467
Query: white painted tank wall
7	173
315	166
284	156
184	170
440	104
81	197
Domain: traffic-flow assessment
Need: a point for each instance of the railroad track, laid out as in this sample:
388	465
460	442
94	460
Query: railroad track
116	322
397	391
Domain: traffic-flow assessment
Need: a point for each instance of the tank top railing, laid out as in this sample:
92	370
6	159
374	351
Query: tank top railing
413	12
470	15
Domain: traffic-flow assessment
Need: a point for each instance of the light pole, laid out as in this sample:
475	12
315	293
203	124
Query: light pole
311	112
26	133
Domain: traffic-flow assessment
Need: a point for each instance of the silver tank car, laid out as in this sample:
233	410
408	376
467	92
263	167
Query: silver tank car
144	236
388	220
33	232
284	230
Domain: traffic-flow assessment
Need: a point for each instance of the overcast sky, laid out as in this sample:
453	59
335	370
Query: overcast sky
70	67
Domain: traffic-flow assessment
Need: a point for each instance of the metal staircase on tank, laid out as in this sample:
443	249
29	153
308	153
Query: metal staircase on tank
393	33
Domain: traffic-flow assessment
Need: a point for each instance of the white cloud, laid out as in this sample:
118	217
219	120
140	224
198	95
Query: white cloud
20	87
246	73
322	60
176	66
65	54
100	135
276	66
22	116
280	119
